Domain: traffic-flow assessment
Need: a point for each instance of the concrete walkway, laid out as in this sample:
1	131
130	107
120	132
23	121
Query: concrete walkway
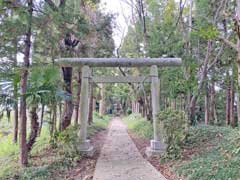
121	160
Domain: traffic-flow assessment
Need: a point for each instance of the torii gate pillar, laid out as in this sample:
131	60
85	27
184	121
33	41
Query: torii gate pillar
85	146
157	146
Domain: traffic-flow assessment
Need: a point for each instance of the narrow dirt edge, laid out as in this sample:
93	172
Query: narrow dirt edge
141	144
86	166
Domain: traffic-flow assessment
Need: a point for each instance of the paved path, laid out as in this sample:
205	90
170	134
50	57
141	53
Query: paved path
121	160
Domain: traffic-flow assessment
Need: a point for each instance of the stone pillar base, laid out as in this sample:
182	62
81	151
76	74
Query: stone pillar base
86	149
156	149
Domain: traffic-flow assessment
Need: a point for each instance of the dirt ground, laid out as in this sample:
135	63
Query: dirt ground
86	166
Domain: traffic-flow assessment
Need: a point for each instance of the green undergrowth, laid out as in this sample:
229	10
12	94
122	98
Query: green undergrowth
100	123
50	158
217	155
208	152
138	125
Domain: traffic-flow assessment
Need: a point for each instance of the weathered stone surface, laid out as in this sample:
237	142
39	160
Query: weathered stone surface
120	79
152	153
157	144
121	160
88	152
156	149
84	104
85	145
119	62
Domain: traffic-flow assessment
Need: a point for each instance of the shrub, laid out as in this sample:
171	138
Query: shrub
129	111
67	143
175	126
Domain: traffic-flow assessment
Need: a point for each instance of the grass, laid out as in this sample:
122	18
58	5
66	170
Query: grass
100	123
137	124
8	155
5	129
209	153
45	161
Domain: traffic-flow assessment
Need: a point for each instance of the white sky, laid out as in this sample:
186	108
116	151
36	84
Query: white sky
123	16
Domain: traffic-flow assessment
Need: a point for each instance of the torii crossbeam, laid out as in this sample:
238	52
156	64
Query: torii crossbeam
119	62
157	144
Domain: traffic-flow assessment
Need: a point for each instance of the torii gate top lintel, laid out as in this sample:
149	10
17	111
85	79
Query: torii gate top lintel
119	62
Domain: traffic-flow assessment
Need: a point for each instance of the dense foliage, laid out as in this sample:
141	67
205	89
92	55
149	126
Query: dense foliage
203	35
34	96
176	130
217	154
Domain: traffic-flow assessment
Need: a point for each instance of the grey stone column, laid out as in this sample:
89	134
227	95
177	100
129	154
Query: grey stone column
155	91
85	146
157	144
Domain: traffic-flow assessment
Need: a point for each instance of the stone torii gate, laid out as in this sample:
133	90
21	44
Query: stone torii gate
157	144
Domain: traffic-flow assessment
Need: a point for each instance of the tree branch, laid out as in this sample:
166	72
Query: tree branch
62	3
229	43
216	58
51	5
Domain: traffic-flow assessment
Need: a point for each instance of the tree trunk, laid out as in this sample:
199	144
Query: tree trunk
238	108
133	106
34	128
188	104
23	156
142	106
238	42
142	18
200	85
94	104
23	120
68	105
90	105
166	103
238	55
41	120
173	104
228	100
15	124
149	108
15	91
78	98
138	107
206	107
232	121
213	111
60	115
181	103
53	120
101	103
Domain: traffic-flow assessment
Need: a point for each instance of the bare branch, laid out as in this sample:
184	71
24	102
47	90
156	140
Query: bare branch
229	43
216	58
62	3
53	6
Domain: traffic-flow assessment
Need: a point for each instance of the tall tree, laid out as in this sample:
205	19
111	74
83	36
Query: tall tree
23	157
